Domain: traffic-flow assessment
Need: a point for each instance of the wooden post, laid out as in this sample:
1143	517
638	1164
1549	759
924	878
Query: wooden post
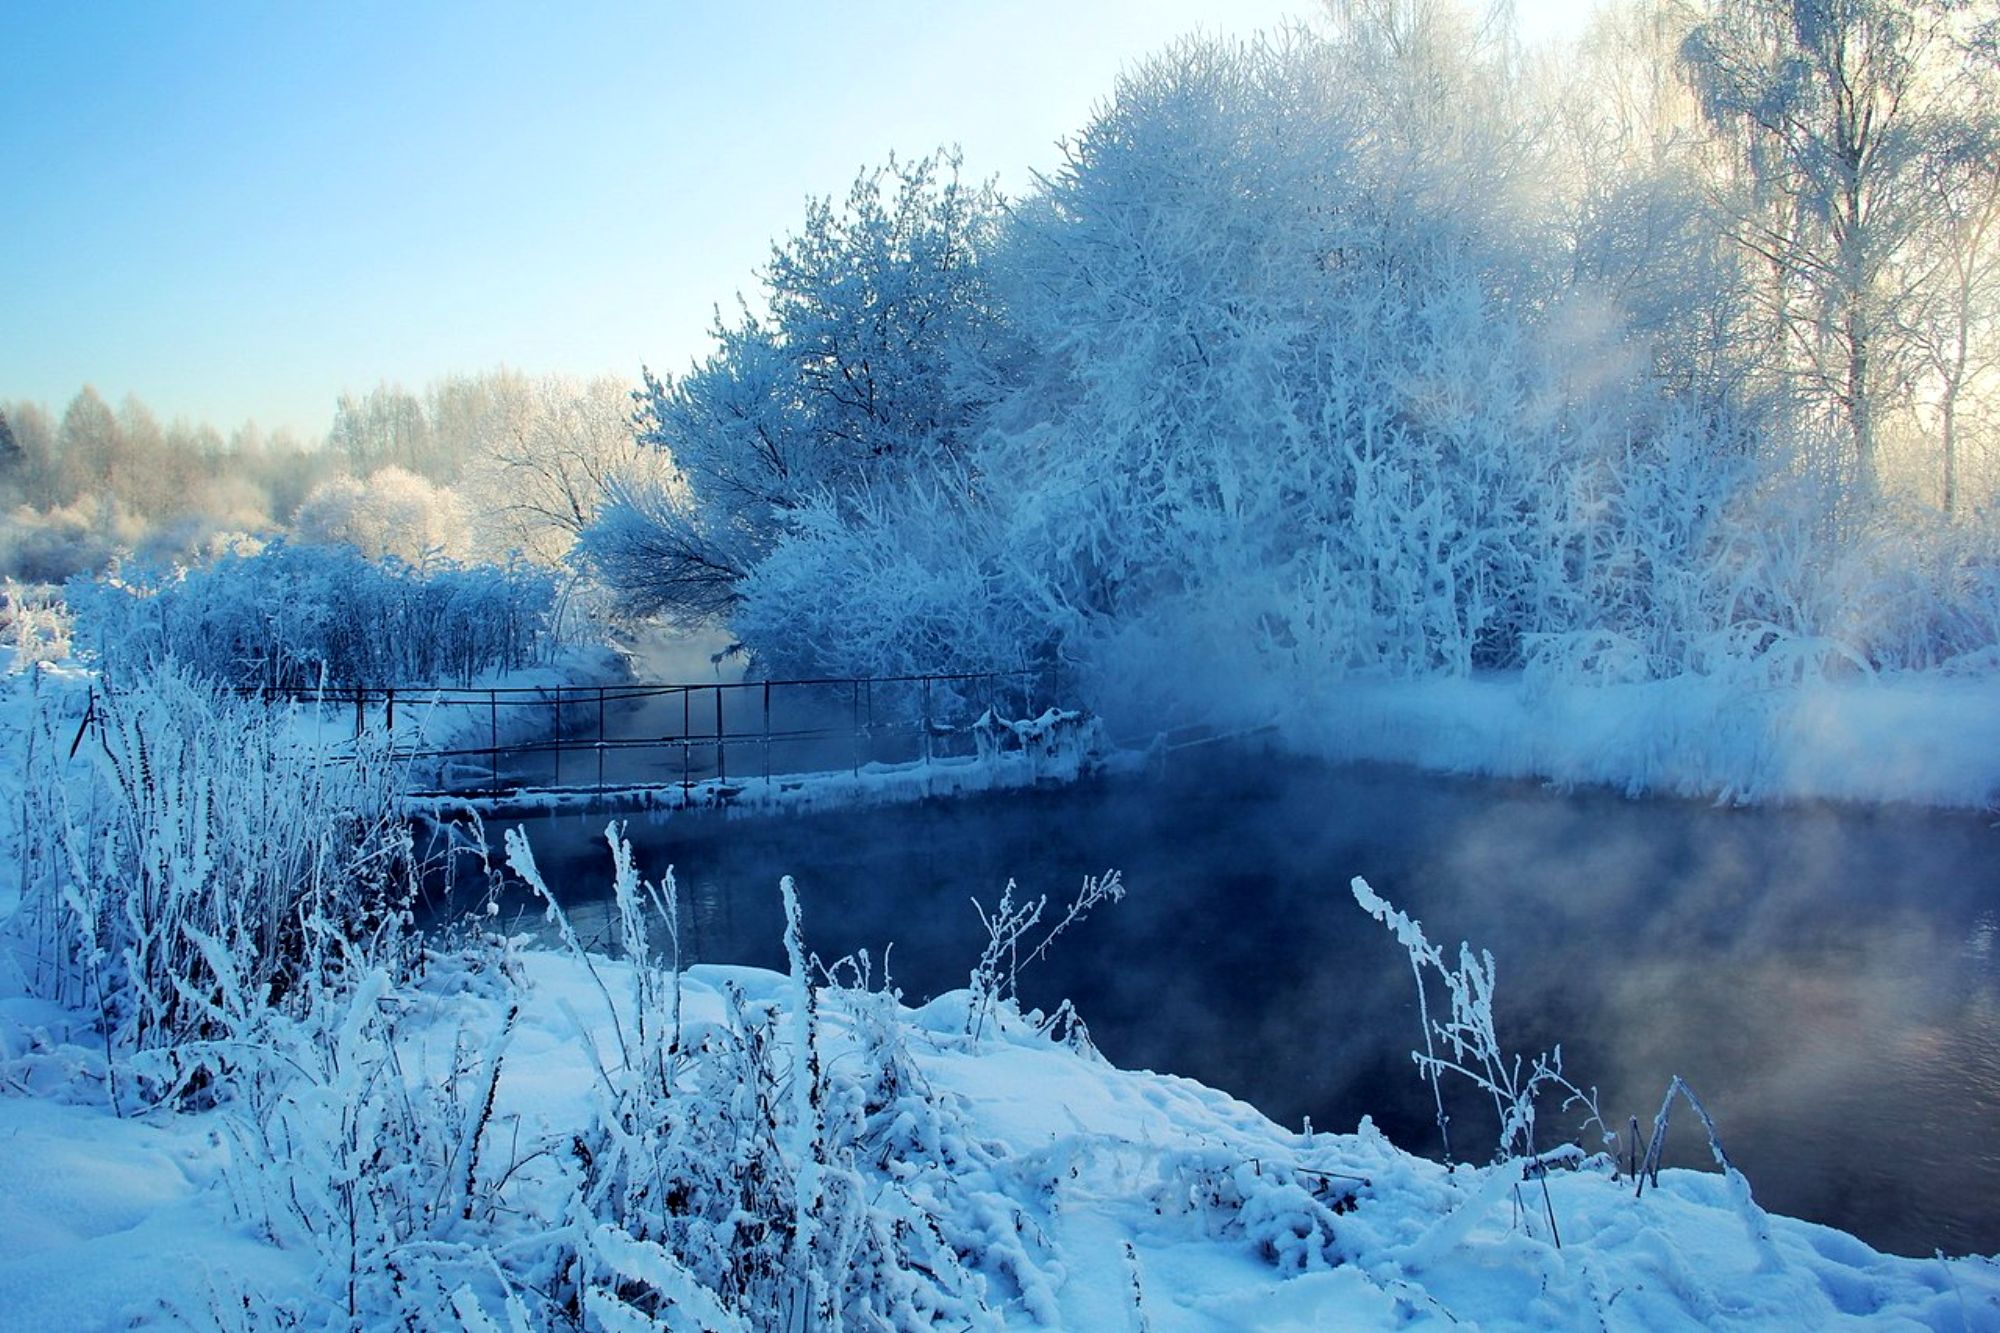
856	718
721	770
687	740
557	780
600	738
767	731
493	736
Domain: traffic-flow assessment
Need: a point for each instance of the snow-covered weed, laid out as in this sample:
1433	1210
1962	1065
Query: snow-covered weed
183	857
1756	1224
232	904
1009	946
1464	1042
788	1166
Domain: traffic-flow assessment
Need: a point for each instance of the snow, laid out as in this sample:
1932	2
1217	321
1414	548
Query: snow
118	1223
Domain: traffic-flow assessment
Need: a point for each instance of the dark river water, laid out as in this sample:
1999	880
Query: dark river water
1826	978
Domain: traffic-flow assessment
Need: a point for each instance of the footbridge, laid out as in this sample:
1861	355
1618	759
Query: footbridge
714	743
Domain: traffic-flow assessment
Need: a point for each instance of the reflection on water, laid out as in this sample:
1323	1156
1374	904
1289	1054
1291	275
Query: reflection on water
1826	979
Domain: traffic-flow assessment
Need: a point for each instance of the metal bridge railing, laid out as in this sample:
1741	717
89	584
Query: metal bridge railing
610	737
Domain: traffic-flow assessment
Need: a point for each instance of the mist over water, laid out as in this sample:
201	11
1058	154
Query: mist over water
1826	978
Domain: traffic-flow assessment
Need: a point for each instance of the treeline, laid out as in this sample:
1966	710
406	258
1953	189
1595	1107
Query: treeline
483	466
1383	347
82	487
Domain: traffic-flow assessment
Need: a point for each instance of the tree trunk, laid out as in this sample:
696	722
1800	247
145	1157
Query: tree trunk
1860	403
1950	450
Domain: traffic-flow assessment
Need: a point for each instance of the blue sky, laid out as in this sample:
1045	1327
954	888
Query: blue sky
238	210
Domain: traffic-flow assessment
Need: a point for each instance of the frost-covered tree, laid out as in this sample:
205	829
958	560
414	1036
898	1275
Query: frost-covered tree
542	469
1632	162
1838	108
1333	352
858	373
90	447
381	428
1318	394
1956	327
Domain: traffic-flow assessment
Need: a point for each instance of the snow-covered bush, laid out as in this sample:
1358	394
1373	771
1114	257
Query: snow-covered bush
297	617
1915	590
80	538
886	586
390	512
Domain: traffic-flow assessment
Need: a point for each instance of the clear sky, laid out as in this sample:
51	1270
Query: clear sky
239	210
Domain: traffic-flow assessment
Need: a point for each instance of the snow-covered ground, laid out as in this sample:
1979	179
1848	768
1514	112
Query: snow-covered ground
1128	1200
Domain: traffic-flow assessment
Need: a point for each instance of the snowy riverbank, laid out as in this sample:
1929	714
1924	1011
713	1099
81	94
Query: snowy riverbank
1922	738
1106	1199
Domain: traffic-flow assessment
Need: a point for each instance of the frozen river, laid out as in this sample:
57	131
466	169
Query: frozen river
1827	979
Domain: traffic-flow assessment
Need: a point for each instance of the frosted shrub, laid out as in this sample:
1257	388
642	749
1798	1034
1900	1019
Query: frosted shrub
297	617
391	513
889	587
1915	591
35	623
